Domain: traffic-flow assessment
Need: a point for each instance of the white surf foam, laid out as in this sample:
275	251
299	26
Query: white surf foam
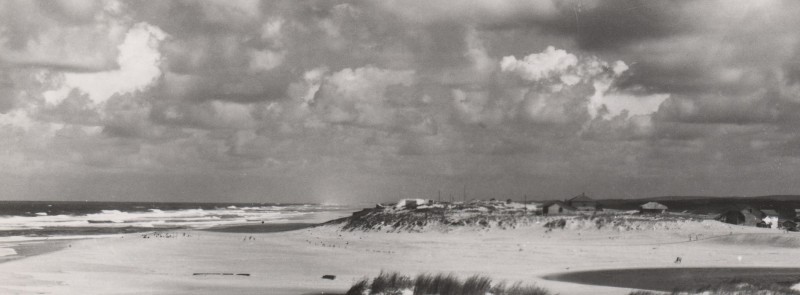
187	218
7	252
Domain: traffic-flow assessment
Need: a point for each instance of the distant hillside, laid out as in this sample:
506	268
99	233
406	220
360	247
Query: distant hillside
677	198
781	197
426	216
771	197
708	205
487	215
440	217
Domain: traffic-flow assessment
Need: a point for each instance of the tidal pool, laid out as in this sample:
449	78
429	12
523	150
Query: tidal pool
669	279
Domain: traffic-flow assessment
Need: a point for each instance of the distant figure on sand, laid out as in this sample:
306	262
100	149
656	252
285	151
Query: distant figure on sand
678	260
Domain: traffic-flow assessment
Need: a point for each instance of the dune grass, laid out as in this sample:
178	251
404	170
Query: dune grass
387	283
477	285
519	289
440	284
359	287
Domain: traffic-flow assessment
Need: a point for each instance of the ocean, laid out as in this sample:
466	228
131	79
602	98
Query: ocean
35	227
65	218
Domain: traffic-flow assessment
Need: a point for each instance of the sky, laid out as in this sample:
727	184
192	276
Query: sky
366	101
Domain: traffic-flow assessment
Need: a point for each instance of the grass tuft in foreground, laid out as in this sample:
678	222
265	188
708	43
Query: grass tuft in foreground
519	289
387	283
359	287
440	284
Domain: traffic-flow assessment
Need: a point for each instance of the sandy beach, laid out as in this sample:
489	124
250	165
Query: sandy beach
210	147
293	262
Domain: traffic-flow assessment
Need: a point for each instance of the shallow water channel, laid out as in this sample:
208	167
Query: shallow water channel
669	279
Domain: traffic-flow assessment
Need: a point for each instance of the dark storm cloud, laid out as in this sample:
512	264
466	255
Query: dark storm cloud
617	23
198	18
236	87
8	92
61	35
734	50
603	25
758	108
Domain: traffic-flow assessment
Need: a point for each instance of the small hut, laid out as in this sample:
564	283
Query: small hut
652	207
773	218
742	215
583	203
771	213
789	225
557	207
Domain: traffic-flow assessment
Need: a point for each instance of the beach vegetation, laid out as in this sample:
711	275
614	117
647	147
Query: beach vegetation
437	284
359	287
483	215
519	288
393	283
390	283
477	285
559	223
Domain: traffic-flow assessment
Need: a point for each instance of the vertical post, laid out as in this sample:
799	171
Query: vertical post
525	202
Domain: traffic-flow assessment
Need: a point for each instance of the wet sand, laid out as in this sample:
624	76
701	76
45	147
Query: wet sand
670	279
25	249
262	227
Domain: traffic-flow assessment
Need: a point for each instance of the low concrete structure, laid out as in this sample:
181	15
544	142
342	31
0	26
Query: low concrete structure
410	203
652	207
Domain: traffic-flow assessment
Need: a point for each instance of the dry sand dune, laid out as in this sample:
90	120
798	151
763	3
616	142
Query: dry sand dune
294	262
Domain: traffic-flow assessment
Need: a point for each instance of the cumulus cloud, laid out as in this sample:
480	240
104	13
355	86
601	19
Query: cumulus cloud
415	93
545	65
562	81
139	66
616	103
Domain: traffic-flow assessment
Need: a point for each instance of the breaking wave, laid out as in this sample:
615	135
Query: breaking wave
167	219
